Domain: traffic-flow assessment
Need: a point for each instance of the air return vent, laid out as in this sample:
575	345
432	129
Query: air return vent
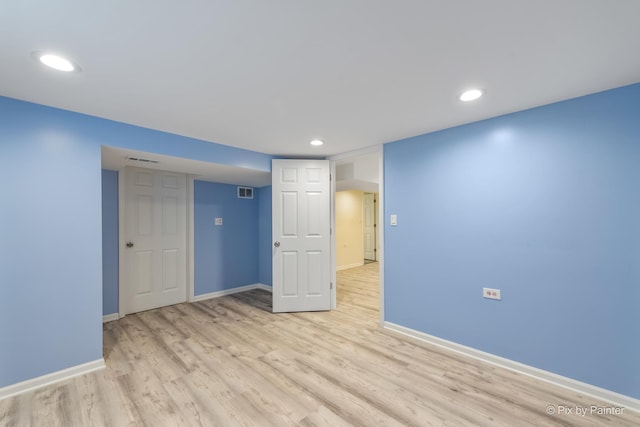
141	160
245	193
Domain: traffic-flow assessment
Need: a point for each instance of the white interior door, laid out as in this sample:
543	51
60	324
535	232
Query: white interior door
301	235
155	239
369	225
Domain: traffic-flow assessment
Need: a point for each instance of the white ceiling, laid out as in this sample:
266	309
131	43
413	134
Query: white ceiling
358	172
270	75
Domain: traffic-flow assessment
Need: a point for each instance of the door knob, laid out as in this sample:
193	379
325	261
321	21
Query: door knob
276	244
129	244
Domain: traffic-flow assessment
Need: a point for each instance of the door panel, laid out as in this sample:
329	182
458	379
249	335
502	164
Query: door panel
289	218
301	234
315	214
170	215
170	261
144	214
155	225
290	274
314	273
143	272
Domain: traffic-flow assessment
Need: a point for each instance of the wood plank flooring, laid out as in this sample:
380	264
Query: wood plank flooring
231	362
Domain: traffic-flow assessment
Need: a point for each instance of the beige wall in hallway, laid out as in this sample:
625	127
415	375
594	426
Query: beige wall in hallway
349	232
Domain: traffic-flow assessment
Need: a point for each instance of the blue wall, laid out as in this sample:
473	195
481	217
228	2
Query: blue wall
51	228
543	204
51	262
110	242
225	256
264	238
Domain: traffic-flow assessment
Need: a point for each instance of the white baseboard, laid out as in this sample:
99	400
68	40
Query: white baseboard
48	379
219	294
264	287
110	317
348	266
549	377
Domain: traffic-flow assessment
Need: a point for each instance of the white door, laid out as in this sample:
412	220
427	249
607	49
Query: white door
301	235
155	239
369	225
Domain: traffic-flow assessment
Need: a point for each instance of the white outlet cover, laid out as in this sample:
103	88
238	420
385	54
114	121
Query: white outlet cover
491	293
218	221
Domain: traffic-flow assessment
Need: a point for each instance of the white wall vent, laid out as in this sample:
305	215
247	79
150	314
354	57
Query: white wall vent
245	193
140	159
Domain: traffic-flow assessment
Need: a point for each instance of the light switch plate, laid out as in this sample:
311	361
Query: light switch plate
394	219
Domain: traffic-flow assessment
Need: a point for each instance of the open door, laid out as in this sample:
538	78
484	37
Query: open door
301	235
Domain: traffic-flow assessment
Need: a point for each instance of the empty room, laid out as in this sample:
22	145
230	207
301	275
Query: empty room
221	213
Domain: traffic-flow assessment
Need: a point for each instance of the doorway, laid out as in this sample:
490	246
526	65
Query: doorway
356	228
360	172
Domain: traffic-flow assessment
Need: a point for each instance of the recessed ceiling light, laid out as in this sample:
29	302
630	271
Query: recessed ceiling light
55	61
317	142
471	95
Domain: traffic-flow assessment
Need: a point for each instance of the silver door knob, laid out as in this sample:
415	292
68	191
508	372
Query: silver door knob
276	244
129	244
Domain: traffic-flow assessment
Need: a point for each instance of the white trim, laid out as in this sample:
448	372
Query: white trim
190	238
122	276
332	218
348	266
110	317
380	229
609	396
225	292
48	379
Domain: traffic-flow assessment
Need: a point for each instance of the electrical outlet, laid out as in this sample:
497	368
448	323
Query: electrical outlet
491	293
218	221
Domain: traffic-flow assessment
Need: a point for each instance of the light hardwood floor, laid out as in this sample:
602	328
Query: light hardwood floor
230	361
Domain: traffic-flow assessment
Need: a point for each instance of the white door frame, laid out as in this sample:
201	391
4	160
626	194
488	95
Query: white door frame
381	220
122	274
